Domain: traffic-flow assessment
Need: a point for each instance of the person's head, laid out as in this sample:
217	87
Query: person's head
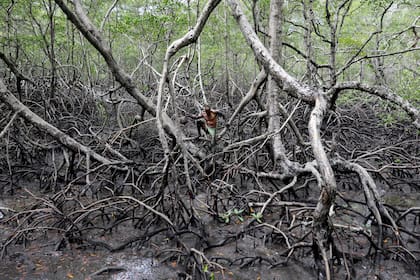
207	108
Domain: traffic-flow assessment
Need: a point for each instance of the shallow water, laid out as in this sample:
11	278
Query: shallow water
81	265
140	268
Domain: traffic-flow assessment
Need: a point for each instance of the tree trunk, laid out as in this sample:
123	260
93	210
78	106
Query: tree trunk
288	83
322	229
51	10
273	89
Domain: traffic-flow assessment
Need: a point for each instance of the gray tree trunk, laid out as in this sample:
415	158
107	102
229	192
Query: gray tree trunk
273	89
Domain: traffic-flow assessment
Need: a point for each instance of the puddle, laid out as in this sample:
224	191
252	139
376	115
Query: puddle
140	268
35	265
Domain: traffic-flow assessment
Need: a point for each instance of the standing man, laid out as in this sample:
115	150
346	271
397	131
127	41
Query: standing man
210	122
210	116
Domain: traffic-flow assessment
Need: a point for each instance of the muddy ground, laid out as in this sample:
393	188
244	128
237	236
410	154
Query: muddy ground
57	226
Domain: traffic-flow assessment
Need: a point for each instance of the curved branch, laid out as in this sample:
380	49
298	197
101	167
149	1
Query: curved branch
384	93
84	25
372	196
302	54
322	231
329	185
252	92
108	13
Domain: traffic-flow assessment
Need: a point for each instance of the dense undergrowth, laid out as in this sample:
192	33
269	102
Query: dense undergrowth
205	221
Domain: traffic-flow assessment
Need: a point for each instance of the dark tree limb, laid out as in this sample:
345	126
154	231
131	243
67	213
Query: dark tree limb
14	69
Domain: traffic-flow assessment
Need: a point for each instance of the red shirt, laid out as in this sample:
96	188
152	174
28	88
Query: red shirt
210	117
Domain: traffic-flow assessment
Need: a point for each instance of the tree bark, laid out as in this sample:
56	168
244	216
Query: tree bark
309	18
322	229
287	83
273	90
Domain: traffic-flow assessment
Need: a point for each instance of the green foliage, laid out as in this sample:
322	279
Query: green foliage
409	85
257	216
388	119
226	217
154	24
352	42
206	270
378	3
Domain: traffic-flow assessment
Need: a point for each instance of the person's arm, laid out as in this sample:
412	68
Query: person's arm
222	115
219	113
195	117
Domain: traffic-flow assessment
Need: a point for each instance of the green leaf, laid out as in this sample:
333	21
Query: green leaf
257	216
